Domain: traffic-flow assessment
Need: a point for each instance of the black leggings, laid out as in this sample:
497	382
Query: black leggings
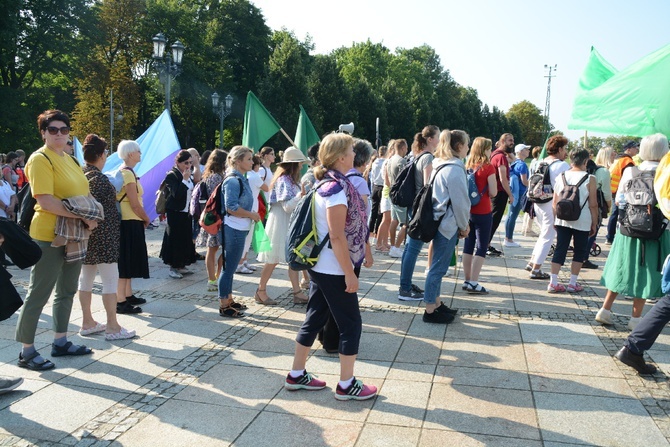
375	215
327	296
499	204
580	245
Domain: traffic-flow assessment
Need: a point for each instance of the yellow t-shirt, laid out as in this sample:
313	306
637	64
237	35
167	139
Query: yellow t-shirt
62	178
126	210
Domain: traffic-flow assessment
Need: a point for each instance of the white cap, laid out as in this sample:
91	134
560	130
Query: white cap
519	147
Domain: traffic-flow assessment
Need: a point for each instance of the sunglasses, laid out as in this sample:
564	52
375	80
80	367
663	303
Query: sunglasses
54	130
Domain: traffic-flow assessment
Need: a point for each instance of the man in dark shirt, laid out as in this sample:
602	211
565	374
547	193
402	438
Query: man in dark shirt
500	162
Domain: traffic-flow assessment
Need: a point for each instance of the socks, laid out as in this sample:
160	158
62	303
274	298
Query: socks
344	384
573	280
554	279
63	341
295	373
474	283
25	352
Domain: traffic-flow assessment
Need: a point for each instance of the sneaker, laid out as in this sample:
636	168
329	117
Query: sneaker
511	244
356	391
445	309
305	382
184	271
493	252
633	322
175	274
212	286
132	299
438	317
558	288
396	252
249	266
416	289
589	265
8	384
409	295
127	308
608	242
604	316
243	270
574	289
529	267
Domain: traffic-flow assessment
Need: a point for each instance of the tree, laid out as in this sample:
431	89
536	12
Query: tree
329	94
529	117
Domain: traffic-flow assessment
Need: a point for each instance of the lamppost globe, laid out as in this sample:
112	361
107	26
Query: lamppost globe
229	102
168	66
222	109
215	101
159	45
177	52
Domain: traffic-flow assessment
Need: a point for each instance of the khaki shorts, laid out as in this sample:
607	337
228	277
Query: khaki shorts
399	213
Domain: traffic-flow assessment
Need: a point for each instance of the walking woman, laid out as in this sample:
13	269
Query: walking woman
633	266
178	250
53	176
102	254
133	257
518	172
285	193
480	215
340	212
451	203
238	202
212	176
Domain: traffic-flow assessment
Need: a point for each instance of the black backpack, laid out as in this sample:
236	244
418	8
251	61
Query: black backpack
27	202
640	217
539	184
569	206
423	225
603	209
403	191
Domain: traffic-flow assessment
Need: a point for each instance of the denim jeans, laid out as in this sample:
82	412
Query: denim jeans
611	223
408	262
443	250
512	214
233	248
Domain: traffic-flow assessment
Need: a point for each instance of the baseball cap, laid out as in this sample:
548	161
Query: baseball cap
519	147
630	143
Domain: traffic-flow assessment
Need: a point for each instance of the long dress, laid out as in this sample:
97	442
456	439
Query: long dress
284	197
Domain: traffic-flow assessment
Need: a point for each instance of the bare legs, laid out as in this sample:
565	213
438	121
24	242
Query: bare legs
346	362
472	266
109	301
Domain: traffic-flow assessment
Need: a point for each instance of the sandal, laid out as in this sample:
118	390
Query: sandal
539	274
230	312
123	334
238	306
477	290
299	297
28	362
59	351
265	302
99	327
466	285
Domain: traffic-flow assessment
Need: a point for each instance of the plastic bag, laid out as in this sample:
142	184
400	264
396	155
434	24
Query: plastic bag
260	242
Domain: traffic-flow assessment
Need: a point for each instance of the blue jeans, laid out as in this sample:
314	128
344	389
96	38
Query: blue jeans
233	247
443	250
408	262
611	223
512	214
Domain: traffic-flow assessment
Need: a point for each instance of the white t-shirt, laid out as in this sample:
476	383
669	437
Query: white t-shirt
327	263
266	175
584	221
6	193
189	193
255	182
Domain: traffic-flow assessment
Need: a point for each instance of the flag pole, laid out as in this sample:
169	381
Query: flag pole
586	139
287	137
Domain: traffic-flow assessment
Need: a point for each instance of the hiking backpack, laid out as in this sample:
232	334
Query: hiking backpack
423	225
403	191
473	191
211	217
539	184
640	217
569	206
198	199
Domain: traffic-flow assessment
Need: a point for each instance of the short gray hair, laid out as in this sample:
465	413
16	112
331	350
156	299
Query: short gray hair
653	147
363	150
579	156
127	147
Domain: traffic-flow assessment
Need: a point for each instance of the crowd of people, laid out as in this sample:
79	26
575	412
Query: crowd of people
86	225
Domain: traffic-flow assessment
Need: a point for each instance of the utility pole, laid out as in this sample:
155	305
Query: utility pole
550	72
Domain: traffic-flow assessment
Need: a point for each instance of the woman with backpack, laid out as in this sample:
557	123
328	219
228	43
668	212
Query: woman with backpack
518	172
481	218
576	219
600	170
341	213
633	267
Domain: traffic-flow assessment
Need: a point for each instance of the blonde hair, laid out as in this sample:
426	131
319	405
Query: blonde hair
449	140
478	150
291	170
236	154
333	146
604	157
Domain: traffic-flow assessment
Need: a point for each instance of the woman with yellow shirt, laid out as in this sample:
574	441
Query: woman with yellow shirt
133	258
53	176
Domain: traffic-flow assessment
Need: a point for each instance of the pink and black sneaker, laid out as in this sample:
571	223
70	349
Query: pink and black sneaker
305	382
356	391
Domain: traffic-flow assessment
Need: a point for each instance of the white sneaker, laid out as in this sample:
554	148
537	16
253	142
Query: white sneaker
175	274
604	316
633	322
242	269
249	266
396	252
511	244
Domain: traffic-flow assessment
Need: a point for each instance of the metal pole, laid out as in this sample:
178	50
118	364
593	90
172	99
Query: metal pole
221	126
111	119
168	81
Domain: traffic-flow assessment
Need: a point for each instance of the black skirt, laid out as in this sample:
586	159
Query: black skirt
178	249
133	258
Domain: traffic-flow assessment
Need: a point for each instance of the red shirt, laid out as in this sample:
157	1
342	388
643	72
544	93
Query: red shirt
499	158
482	178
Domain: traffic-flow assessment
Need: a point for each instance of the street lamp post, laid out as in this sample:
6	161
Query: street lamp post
113	117
168	67
222	109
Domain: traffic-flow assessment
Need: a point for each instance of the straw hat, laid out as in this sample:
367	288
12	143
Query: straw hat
292	155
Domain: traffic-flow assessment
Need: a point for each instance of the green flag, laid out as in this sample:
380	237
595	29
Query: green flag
543	153
597	71
635	101
305	134
259	125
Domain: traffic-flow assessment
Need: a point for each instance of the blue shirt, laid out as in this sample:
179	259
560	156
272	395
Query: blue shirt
517	169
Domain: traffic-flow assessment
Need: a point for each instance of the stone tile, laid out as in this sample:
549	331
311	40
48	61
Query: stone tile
188	332
322	403
483	302
180	422
579	360
374	435
120	372
394	322
483	377
273	339
330	364
426	330
487	411
411	372
154	348
483	354
235	386
382	347
270	360
273	429
143	324
27	388
596	420
419	350
545	302
55	411
401	403
581	385
436	438
558	333
169	308
484	329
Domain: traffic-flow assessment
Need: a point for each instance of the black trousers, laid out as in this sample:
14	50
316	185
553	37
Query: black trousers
647	331
498	205
375	215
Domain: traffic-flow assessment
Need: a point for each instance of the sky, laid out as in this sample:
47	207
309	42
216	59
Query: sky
499	48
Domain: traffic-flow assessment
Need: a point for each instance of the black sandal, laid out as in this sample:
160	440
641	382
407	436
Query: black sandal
29	362
59	351
230	312
539	274
238	306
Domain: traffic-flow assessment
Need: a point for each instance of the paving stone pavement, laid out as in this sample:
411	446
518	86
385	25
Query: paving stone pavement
518	367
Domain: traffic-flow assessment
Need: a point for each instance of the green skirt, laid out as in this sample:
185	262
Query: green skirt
629	273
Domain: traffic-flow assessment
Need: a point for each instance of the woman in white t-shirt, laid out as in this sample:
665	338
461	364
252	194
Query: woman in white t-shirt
268	157
340	213
7	199
257	185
